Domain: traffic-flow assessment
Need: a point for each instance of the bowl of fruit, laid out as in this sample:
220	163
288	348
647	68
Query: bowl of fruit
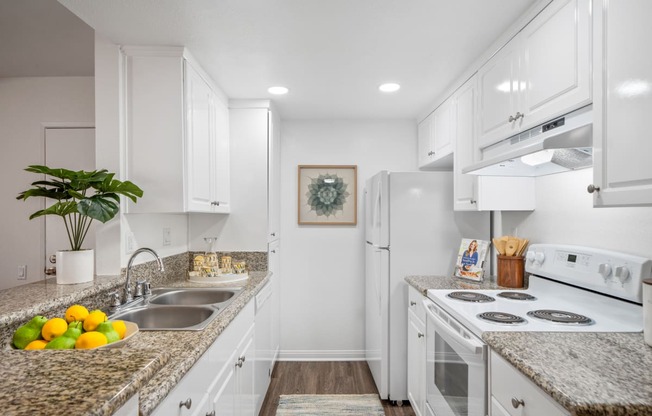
78	329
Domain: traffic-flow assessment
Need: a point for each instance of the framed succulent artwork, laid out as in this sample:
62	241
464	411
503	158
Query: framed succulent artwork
328	195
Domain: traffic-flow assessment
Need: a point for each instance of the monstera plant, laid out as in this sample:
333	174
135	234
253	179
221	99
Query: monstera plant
80	197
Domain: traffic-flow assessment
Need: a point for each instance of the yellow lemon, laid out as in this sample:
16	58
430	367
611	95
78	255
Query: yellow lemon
92	339
76	313
93	319
53	328
120	328
38	344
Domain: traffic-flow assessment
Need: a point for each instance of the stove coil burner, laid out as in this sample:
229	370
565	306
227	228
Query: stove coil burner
501	318
470	297
561	317
516	296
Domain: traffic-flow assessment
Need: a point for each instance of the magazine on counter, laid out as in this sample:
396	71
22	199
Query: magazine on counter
471	258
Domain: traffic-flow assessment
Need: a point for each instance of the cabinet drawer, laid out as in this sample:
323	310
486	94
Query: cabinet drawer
508	383
415	304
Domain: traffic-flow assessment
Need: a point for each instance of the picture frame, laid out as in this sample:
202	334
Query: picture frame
327	195
470	260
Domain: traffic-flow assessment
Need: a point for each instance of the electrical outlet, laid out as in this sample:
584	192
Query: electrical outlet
167	236
22	272
130	243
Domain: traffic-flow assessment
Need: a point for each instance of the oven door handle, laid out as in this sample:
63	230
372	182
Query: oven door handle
472	345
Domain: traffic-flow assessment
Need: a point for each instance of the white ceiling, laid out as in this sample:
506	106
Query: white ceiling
43	38
331	54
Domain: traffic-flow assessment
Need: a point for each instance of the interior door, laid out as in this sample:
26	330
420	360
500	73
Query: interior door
73	149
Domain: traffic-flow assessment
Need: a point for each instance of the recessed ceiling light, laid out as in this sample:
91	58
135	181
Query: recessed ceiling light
389	87
277	90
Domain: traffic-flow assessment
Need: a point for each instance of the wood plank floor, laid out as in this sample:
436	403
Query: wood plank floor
332	377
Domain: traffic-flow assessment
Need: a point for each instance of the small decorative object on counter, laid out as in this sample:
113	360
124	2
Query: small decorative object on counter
470	259
226	266
240	267
511	264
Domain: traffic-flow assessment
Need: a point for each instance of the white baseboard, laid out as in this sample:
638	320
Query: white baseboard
321	355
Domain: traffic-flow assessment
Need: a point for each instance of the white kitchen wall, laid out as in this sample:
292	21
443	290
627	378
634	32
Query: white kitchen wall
322	281
25	103
565	214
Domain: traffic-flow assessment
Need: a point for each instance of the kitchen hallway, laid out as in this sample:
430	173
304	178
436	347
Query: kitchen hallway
329	377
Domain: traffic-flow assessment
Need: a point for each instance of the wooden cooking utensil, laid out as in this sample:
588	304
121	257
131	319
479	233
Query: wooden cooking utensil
500	246
522	247
511	247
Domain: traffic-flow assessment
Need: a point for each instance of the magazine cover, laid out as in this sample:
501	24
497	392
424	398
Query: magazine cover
470	259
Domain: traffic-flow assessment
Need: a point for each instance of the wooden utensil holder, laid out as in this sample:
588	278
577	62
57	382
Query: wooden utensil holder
511	270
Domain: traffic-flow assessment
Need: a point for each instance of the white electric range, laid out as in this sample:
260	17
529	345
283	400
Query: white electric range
571	289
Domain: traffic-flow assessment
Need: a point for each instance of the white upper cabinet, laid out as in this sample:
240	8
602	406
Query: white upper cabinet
499	95
274	177
478	193
436	137
177	133
542	73
623	103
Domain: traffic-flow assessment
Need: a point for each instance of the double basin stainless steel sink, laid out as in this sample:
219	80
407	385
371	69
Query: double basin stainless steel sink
179	308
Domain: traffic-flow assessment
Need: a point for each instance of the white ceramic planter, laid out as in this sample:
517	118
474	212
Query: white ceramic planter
75	266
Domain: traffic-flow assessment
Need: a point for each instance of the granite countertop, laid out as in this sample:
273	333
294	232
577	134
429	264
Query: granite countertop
424	283
588	373
596	374
98	382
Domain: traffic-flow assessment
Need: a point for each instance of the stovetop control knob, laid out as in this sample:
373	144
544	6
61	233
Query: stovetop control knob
622	273
530	256
539	257
605	270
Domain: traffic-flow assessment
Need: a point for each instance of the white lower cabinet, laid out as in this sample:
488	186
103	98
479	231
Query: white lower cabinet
130	408
416	352
264	349
221	381
513	394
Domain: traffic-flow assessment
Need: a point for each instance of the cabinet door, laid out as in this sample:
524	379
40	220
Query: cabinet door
623	103
220	178
416	363
200	142
499	86
224	391
425	141
263	335
444	129
466	151
245	400
556	66
273	177
274	266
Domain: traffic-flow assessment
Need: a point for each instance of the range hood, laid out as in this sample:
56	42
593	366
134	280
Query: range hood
563	144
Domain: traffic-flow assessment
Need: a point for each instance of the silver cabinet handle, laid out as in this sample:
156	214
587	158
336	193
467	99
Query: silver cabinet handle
241	361
50	271
186	404
473	201
413	303
273	251
273	234
516	117
211	413
592	188
216	203
516	403
420	335
430	153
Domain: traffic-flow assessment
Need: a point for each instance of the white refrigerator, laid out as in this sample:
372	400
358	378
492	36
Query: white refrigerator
410	229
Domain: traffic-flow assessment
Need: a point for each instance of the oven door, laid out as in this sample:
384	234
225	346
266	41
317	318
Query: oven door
456	362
